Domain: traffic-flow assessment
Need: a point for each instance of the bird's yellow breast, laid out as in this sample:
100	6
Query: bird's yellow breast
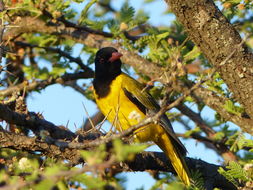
123	113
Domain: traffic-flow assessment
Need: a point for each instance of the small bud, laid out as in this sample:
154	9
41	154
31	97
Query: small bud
241	6
24	164
123	26
60	80
170	41
227	5
56	14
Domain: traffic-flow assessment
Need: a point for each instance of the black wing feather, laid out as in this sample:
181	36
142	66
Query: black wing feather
147	105
134	100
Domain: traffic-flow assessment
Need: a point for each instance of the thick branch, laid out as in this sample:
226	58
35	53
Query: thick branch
33	122
142	65
60	52
143	161
158	161
38	85
222	148
21	142
216	37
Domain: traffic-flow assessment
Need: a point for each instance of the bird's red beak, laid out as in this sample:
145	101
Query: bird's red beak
115	56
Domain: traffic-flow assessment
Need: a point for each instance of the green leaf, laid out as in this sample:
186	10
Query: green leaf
149	1
85	11
216	84
190	132
219	136
193	54
54	169
141	17
58	70
126	13
175	186
113	25
47	40
158	184
232	108
234	1
234	172
90	181
228	176
4	178
96	25
95	156
197	181
159	50
238	141
45	184
61	185
162	35
248	143
33	72
189	99
237	171
125	151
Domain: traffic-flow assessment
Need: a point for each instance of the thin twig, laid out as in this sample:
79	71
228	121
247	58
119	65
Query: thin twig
34	122
66	174
88	116
156	161
40	84
58	51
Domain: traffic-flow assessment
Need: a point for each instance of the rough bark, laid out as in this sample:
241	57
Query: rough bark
142	65
155	161
35	123
219	41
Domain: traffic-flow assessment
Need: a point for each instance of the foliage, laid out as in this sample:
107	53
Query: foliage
236	174
50	173
60	44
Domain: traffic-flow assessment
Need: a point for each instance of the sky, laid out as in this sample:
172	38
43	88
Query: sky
64	106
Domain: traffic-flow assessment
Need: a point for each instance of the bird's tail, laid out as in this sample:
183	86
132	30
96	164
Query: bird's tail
177	160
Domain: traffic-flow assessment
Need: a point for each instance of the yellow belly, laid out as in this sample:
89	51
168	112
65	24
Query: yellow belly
122	113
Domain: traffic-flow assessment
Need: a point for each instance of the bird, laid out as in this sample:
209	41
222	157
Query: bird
125	103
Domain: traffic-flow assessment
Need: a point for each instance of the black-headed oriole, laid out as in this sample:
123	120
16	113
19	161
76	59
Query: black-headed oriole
125	103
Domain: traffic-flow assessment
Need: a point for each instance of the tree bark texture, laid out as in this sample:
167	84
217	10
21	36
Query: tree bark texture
154	161
142	65
218	40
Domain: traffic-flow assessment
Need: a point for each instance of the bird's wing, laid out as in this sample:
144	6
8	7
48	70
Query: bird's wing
146	103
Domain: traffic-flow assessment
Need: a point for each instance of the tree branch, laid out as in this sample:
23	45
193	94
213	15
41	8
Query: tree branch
33	122
22	142
144	161
58	51
142	65
216	37
88	29
222	148
158	161
96	119
38	85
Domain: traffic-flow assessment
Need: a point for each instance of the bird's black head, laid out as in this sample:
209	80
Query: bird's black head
107	63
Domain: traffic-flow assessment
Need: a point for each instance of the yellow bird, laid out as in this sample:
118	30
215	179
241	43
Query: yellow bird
125	103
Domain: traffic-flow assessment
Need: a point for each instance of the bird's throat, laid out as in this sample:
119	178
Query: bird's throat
102	84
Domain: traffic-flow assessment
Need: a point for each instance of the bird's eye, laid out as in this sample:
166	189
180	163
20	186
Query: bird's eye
101	60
